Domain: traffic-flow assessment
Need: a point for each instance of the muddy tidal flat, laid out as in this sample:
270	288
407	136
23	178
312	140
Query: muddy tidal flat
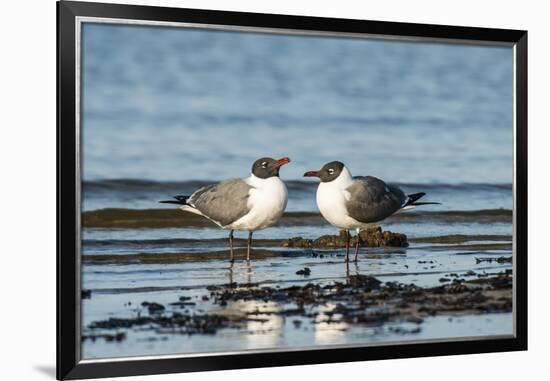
158	282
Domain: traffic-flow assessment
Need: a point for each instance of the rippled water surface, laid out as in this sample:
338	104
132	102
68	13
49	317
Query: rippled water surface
176	105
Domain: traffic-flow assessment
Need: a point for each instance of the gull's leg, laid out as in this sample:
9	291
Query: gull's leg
347	245
248	249
356	246
231	257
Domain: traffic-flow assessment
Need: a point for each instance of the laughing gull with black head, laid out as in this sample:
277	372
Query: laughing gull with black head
348	202
253	203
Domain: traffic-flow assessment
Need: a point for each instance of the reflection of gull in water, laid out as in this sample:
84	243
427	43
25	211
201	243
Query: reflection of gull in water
355	268
329	330
233	270
266	331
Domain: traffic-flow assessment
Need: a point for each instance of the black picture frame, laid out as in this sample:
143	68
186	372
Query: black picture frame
69	365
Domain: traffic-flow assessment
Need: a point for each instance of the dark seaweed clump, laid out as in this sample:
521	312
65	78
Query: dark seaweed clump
189	324
306	271
371	237
359	300
106	336
364	299
153	307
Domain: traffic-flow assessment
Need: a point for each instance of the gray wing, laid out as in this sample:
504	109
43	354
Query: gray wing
224	202
372	200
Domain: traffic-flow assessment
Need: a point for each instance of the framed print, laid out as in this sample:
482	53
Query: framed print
248	190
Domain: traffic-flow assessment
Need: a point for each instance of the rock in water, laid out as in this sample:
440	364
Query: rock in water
298	242
375	237
371	237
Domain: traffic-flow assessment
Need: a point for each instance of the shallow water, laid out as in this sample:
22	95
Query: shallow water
166	111
282	333
118	291
120	286
117	282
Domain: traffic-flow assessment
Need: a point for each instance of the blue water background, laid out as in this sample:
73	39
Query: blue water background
173	104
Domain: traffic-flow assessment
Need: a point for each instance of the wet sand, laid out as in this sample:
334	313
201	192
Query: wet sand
164	218
193	301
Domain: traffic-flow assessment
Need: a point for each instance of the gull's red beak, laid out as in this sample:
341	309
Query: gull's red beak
281	162
311	174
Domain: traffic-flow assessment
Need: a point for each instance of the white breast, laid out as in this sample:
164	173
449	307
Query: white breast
331	201
267	201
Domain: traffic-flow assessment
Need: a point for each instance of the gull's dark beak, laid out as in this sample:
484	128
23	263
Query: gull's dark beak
312	174
281	162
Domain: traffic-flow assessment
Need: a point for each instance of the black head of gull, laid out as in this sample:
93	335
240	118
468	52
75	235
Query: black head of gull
267	167
328	173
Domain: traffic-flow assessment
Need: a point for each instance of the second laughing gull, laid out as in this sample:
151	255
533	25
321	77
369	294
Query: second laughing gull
253	203
348	202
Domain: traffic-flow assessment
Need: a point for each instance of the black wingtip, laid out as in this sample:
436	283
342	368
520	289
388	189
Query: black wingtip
413	198
172	202
179	200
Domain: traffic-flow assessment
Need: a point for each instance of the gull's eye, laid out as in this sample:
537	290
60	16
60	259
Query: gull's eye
331	171
264	164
